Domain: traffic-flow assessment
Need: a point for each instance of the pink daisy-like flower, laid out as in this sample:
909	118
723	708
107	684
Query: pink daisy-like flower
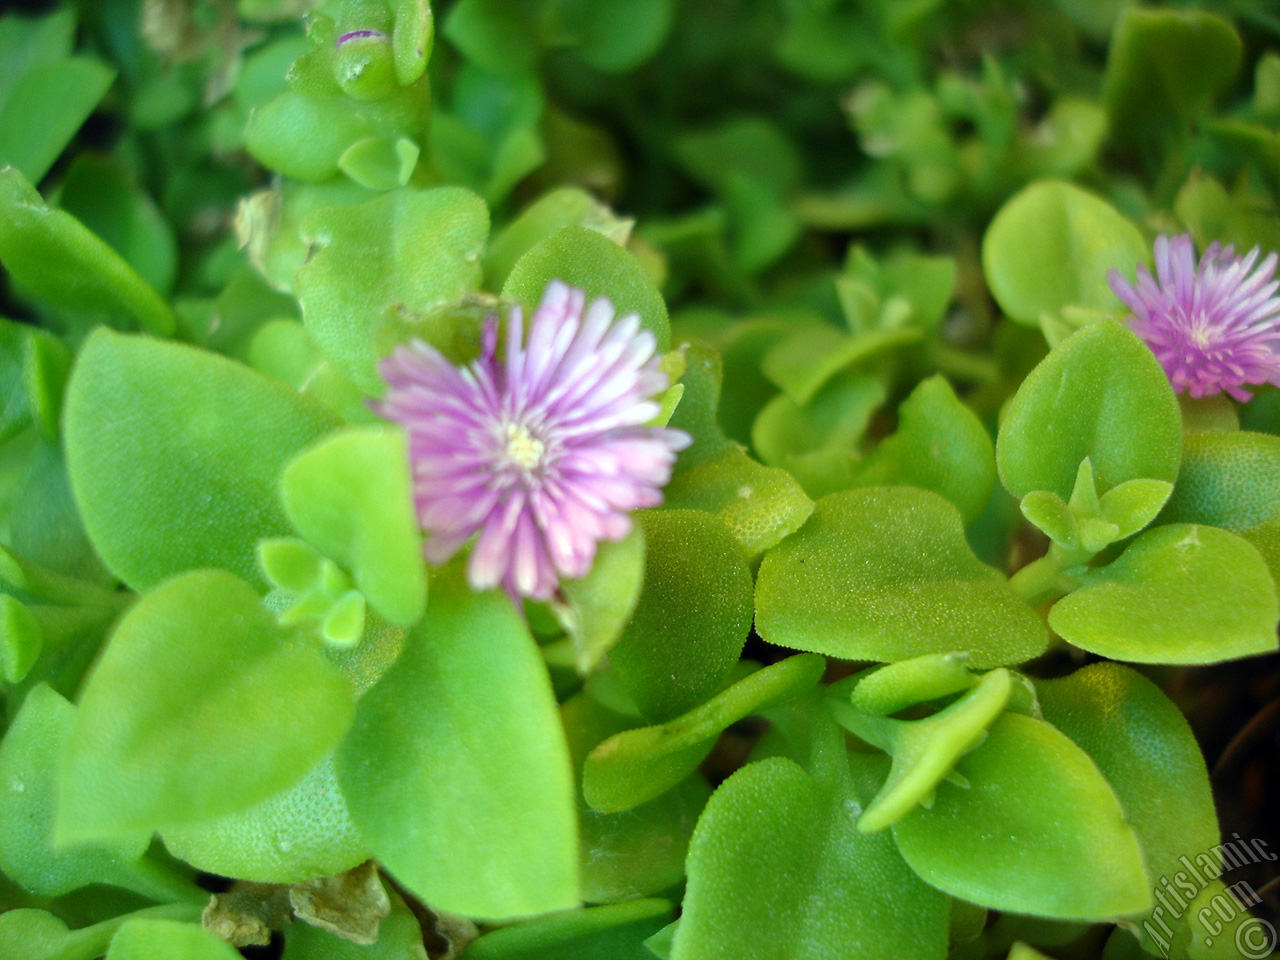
544	453
1213	327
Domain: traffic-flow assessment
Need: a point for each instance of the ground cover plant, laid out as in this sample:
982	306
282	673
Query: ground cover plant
624	479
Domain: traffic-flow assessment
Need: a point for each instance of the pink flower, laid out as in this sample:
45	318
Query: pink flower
1214	327
544	453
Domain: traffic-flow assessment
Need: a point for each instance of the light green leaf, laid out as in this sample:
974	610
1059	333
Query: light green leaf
411	39
803	362
1050	247
460	734
549	214
351	495
885	574
637	852
53	256
1103	395
637	765
925	751
1037	830
940	445
147	939
30	758
45	107
1133	504
174	455
38	935
777	871
597	607
1147	751
835	419
896	686
299	834
761	505
693	565
200	706
1181	593
408	250
21	639
1229	480
589	261
101	194
617	931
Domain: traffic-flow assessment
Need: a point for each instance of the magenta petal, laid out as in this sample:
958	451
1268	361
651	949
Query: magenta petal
1213	325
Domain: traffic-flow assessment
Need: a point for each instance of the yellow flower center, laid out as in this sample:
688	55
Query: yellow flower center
523	448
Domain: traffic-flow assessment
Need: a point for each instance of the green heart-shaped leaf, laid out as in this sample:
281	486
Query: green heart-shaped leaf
1101	394
1050	247
174	455
351	495
885	574
777	871
1037	830
460	734
200	706
1179	594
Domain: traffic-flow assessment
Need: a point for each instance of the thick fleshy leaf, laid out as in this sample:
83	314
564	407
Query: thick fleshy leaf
1146	750
885	573
595	264
148	939
1050	247
54	257
670	664
784	431
616	932
1181	593
1164	69
761	505
925	751
549	214
940	445
351	496
305	831
1211	213
597	607
777	871
200	706
299	834
1229	480
30	759
163	438
896	686
45	107
27	934
101	195
1036	830
637	765
413	251
804	362
462	733
637	852
1101	394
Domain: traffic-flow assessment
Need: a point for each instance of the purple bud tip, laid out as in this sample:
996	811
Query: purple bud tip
360	35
